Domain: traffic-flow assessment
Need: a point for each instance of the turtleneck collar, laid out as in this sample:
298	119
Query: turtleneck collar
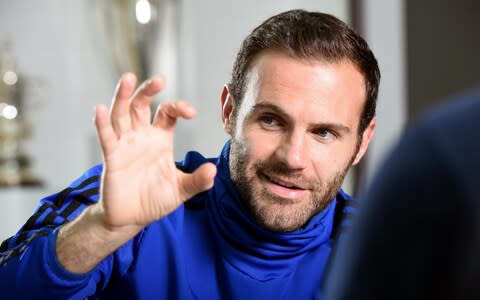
258	252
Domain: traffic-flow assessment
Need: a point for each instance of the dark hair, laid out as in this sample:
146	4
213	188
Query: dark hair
308	35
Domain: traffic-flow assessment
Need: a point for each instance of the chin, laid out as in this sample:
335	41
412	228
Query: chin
284	217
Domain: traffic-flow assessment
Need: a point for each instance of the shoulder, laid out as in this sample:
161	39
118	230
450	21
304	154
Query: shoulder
453	124
446	141
459	109
90	176
192	161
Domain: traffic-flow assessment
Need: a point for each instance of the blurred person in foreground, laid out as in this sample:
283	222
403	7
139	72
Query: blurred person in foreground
417	232
256	222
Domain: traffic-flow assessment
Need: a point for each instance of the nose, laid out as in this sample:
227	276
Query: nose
293	150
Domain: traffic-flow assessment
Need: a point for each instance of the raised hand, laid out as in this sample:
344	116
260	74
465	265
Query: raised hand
140	183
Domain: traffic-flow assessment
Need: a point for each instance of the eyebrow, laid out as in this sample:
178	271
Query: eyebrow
282	113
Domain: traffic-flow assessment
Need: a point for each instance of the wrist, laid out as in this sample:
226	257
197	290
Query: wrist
95	216
87	240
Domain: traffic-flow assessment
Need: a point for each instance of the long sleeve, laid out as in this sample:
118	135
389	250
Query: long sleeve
29	267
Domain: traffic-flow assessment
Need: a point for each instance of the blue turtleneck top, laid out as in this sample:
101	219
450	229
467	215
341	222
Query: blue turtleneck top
209	248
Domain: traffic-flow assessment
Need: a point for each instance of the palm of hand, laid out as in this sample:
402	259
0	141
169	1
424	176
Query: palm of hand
140	182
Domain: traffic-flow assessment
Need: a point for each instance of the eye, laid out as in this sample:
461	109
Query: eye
324	134
269	121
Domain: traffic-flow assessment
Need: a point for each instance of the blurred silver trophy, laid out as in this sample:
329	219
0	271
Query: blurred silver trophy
141	36
15	164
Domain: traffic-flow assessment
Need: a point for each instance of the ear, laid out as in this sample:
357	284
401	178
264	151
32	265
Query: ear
227	109
367	136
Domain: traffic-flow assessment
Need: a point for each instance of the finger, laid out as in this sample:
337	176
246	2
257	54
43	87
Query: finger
120	107
140	103
106	134
200	180
168	113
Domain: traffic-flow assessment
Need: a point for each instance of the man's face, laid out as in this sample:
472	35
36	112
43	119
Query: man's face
295	136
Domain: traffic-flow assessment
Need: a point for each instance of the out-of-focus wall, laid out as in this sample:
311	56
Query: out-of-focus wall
384	30
443	54
52	41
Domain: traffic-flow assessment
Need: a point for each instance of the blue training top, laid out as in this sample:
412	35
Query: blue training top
208	248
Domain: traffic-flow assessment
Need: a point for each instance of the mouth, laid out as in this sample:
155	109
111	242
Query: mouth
283	188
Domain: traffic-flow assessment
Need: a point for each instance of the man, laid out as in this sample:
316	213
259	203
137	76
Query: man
417	234
257	222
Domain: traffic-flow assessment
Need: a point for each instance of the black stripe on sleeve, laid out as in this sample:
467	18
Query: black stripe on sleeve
19	249
33	219
30	225
59	201
63	195
78	200
71	208
61	198
4	245
49	218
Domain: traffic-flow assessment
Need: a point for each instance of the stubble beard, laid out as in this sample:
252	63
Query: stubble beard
276	213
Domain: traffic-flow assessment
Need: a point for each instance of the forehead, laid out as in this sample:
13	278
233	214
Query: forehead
315	88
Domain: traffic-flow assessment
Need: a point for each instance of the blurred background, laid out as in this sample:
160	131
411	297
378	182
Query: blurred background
60	58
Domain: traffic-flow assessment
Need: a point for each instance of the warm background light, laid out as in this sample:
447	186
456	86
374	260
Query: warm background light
10	77
9	112
143	11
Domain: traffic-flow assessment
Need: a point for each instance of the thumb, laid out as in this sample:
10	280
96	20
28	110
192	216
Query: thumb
198	181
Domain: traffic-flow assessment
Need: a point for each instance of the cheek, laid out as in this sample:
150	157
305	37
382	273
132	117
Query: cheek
328	160
259	145
323	162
